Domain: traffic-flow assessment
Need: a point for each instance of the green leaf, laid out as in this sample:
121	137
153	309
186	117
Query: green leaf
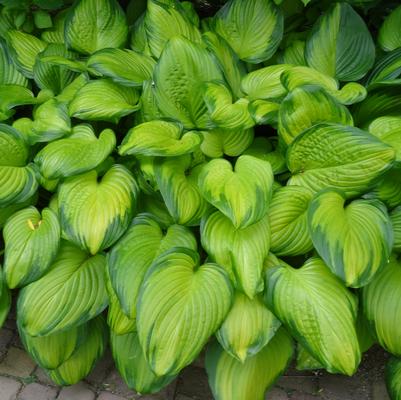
248	327
337	156
94	212
305	361
53	77
232	142
5	300
72	292
125	67
289	222
386	69
252	28
24	51
165	20
350	93
318	311
93	25
51	351
103	100
59	159
240	251
241	193
382	304
294	53
159	138
5	212
306	106
354	240
42	19
388	188
12	96
395	217
223	112
177	181
393	378
265	83
233	69
79	365
340	44
56	33
388	130
178	78
181	304
31	242
262	148
9	73
133	367
389	35
130	259
230	379
117	320
264	112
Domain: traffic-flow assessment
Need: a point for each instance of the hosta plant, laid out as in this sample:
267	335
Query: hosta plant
210	175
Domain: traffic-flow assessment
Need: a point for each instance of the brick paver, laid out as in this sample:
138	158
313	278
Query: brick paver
36	391
109	396
17	363
9	388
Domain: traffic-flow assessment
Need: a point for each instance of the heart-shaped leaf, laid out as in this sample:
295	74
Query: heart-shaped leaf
389	36
84	358
178	77
125	67
241	193
340	44
393	377
181	304
177	181
289	222
159	138
59	159
93	25
354	240
306	106
31	243
318	311
132	365
94	214
131	257
9	73
103	100
332	155
395	217
230	379
71	293
388	130
252	28
240	251
248	327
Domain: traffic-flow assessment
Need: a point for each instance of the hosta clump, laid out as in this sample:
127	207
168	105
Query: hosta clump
171	182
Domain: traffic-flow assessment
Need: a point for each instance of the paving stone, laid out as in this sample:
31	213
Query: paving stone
6	336
17	363
109	396
193	382
305	384
80	391
36	391
339	387
42	377
305	396
276	394
101	370
379	391
9	388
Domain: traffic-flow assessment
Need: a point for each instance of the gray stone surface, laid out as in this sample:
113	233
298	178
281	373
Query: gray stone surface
109	396
36	391
17	363
9	388
80	391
